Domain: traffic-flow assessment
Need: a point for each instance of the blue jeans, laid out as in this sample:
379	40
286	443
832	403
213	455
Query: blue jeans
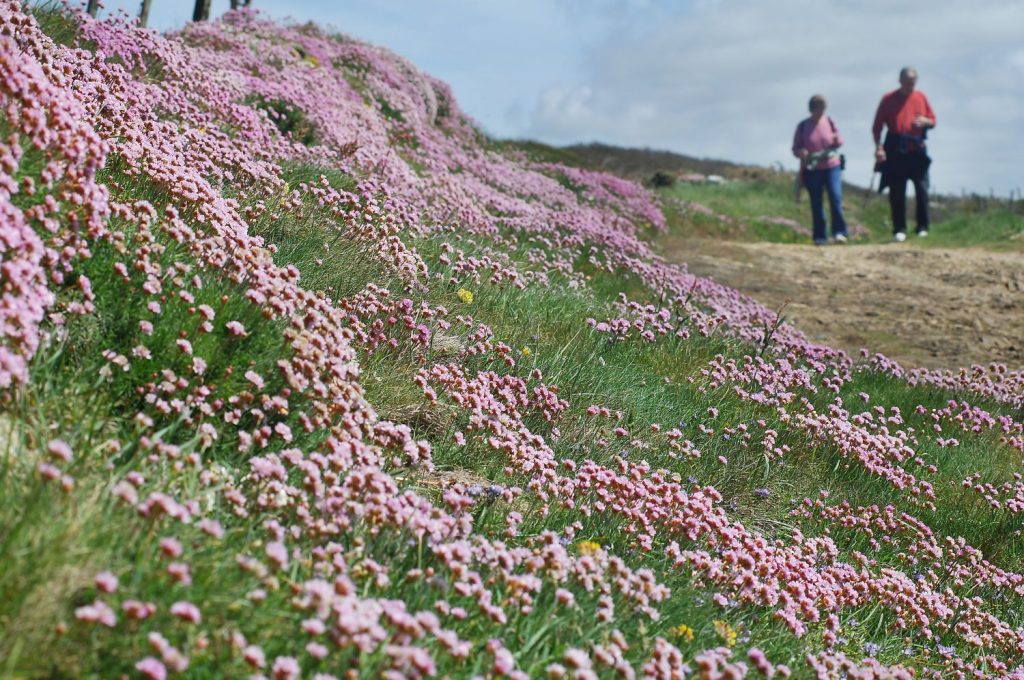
832	180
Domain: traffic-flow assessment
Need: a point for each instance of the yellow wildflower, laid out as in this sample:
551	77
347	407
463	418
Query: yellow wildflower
526	352
726	632
465	295
313	60
588	547
684	632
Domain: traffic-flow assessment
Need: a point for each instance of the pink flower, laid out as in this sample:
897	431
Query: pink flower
254	656
278	554
211	527
48	472
235	328
97	612
316	650
59	449
134	609
186	611
285	668
106	582
180	572
152	669
170	547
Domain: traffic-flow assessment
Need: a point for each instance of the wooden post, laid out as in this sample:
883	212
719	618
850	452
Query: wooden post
202	10
144	12
92	7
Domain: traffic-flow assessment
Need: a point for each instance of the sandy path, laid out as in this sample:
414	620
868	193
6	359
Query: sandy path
923	306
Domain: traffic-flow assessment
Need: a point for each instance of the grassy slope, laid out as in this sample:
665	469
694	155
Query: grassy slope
55	540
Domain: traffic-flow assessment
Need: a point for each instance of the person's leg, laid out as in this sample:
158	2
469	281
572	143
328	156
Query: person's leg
898	202
815	181
835	200
921	191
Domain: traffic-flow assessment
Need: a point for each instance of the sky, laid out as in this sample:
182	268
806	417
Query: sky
726	79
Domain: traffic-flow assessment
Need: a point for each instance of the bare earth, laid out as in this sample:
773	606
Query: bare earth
927	307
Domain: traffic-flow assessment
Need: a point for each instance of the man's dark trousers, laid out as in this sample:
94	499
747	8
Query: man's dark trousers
898	196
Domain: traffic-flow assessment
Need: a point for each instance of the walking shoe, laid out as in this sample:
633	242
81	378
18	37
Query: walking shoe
841	238
921	233
899	237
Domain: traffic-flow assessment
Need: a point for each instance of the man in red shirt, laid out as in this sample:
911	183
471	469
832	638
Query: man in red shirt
908	116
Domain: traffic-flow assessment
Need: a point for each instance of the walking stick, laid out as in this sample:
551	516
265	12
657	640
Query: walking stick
871	185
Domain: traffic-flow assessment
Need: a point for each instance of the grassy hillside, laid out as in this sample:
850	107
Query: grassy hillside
304	377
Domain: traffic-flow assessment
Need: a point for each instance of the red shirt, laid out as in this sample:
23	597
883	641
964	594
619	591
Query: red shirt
897	112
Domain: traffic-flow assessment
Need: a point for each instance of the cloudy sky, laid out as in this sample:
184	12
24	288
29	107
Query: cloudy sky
723	79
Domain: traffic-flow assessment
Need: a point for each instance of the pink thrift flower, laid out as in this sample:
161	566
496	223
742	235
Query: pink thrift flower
48	472
179	571
316	650
125	492
278	554
58	448
254	656
285	668
106	582
313	627
134	609
211	527
152	669
97	612
170	547
186	611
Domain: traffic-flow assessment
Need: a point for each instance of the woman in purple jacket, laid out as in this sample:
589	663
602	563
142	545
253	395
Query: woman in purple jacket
816	143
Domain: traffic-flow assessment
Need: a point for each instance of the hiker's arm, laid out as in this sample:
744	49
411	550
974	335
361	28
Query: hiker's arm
837	138
799	150
927	119
876	131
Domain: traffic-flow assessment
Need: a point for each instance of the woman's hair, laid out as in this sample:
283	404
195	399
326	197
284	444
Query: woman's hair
817	102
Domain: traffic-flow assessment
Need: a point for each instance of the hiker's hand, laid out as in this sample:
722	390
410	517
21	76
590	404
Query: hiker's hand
880	155
923	122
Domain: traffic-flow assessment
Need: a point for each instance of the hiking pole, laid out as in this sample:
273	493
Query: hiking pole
871	186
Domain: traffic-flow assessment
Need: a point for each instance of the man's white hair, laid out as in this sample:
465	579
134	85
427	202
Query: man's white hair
908	72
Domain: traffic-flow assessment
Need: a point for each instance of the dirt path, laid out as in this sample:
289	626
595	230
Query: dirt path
923	306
